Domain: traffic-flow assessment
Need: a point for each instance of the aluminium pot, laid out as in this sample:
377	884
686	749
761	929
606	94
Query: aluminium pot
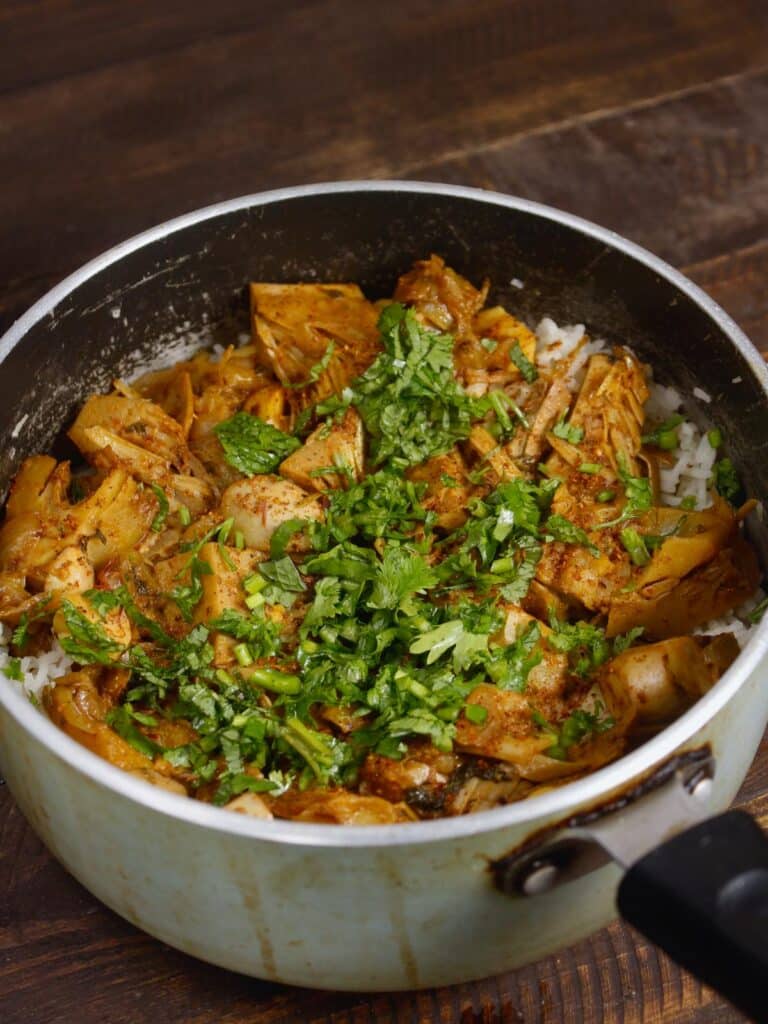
383	907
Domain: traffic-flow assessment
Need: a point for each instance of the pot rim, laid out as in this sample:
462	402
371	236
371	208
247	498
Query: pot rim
556	803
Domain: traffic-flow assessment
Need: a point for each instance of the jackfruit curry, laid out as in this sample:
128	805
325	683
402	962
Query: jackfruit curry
384	562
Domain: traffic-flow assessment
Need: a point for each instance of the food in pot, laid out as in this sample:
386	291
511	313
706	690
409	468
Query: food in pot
387	561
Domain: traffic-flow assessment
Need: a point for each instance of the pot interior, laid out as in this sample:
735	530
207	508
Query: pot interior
191	282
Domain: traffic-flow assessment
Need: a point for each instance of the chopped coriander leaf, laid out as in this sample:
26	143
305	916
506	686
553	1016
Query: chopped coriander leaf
261	635
283	535
665	435
318	368
624	641
500	402
188	596
20	635
163	508
567	432
86	642
635	546
122	719
586	645
233	784
449	635
253	446
409	399
689	502
104	601
510	666
400	574
638	495
13	670
561	529
523	363
725	480
577	727
715	437
519	575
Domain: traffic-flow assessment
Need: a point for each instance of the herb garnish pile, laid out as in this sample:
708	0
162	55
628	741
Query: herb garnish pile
397	621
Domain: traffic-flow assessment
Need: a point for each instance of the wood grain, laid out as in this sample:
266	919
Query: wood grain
648	118
114	117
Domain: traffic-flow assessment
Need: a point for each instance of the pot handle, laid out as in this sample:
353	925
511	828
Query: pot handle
702	896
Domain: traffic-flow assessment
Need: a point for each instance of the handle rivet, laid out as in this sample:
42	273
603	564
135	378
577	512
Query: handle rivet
703	789
539	879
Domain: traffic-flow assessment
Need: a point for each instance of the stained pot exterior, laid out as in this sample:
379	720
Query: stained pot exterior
348	908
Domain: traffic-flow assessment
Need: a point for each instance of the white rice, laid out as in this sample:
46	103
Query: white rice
737	623
38	671
689	475
554	342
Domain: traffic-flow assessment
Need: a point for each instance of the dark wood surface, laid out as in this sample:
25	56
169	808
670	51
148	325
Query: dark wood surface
649	117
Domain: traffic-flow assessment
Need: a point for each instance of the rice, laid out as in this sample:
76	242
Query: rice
554	342
737	623
689	474
38	671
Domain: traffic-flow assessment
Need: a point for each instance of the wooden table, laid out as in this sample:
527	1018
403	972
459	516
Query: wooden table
648	117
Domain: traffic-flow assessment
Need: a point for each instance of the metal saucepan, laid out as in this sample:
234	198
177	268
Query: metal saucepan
434	902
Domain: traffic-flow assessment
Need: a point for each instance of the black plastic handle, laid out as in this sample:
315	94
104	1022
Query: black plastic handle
703	898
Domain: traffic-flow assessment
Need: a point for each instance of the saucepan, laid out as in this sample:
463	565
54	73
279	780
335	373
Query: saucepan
433	902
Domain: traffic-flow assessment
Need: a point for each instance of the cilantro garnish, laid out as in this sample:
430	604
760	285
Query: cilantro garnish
401	574
577	726
13	670
122	719
394	620
561	529
726	481
523	363
409	399
318	368
86	642
253	446
585	644
519	574
20	635
638	494
567	432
